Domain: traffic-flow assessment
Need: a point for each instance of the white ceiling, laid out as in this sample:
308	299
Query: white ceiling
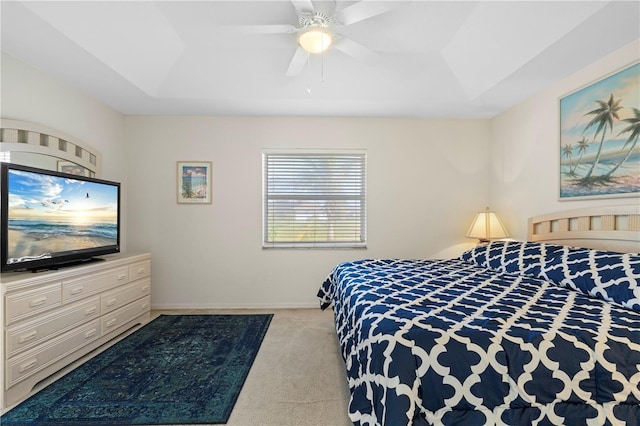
432	58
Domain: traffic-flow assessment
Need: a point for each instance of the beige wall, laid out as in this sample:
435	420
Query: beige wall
525	148
426	178
30	95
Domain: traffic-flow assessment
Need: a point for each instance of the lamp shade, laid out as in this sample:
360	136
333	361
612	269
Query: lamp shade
315	39
487	226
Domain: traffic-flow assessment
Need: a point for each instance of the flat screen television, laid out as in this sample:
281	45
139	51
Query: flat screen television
50	219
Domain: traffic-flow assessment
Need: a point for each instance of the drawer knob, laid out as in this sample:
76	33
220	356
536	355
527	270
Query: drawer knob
111	323
27	365
112	302
37	302
92	310
29	336
122	277
90	333
141	271
145	287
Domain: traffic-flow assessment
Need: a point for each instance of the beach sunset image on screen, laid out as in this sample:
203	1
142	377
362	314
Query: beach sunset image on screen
51	214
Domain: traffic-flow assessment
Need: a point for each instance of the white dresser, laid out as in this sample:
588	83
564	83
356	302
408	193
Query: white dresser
53	318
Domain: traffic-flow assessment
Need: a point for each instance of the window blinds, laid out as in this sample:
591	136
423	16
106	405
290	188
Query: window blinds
314	199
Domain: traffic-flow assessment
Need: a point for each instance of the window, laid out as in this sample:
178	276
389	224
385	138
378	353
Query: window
314	199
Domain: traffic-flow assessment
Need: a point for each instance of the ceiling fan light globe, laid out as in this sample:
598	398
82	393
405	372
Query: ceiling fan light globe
315	40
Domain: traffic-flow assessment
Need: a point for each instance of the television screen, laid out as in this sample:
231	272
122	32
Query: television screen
51	218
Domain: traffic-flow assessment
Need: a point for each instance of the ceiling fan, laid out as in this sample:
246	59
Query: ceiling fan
316	30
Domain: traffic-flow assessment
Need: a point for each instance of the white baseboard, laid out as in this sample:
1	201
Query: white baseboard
181	306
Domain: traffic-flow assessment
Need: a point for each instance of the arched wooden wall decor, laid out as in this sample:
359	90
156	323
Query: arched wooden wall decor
24	137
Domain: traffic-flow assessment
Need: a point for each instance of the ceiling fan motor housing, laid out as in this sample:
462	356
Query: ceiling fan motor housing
316	19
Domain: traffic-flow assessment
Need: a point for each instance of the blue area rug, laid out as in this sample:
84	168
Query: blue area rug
177	369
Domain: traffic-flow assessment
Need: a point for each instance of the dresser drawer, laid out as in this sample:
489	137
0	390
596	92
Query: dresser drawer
24	304
117	318
119	297
80	288
26	336
139	270
38	358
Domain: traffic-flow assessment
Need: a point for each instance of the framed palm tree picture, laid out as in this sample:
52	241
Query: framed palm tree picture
599	131
194	182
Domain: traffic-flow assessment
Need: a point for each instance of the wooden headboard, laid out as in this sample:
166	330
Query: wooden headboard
614	228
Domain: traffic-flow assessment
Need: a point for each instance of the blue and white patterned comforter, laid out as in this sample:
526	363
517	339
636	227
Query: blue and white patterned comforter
510	333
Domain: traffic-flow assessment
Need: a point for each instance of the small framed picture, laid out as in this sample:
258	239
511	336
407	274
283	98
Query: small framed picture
73	168
194	182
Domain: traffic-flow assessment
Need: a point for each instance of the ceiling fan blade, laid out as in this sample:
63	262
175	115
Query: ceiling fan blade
260	29
356	50
298	62
364	9
303	6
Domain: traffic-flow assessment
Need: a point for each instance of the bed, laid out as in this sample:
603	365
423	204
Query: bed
545	331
